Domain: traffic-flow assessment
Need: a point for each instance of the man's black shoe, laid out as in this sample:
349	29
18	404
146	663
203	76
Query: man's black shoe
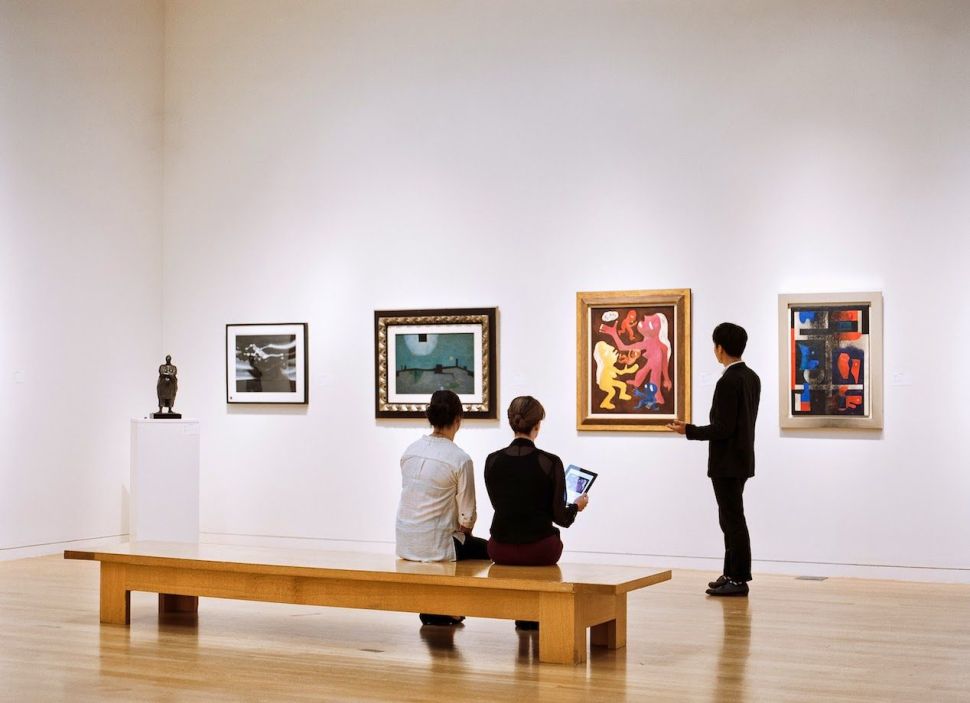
443	620
729	588
720	581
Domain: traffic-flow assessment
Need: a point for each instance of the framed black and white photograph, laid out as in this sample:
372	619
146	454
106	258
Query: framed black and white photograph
421	351
266	363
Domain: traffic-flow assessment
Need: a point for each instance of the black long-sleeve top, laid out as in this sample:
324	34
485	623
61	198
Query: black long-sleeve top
527	487
734	411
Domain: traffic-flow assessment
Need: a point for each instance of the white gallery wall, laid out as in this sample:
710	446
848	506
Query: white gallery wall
80	261
326	159
321	160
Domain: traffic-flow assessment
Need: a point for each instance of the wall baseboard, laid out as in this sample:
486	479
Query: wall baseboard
39	550
713	564
790	568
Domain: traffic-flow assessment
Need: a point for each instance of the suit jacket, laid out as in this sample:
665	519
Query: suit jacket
734	411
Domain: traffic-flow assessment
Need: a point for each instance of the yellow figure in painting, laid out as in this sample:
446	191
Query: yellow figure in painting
607	373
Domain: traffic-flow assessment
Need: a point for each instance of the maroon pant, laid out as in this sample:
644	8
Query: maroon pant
545	552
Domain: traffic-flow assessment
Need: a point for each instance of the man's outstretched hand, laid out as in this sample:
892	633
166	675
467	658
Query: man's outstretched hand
677	426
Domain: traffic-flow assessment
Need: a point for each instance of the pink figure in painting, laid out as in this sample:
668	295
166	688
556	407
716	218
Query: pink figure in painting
655	348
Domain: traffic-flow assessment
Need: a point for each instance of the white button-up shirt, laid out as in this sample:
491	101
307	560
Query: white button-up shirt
437	495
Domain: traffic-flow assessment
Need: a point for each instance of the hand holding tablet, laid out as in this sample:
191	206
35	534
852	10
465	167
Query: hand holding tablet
578	482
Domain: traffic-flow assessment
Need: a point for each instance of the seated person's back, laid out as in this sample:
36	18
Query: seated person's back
527	487
435	479
521	483
437	510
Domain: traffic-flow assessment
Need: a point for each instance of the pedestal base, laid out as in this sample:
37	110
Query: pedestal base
164	499
167	416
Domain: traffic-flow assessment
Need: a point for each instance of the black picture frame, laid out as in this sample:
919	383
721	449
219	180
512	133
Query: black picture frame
278	358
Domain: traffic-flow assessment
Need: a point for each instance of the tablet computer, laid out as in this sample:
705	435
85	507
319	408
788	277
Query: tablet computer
578	481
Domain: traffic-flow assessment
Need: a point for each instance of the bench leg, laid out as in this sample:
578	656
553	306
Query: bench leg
612	633
171	604
115	599
562	638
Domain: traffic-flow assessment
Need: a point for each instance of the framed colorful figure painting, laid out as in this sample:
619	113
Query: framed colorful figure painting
266	363
633	359
418	352
830	361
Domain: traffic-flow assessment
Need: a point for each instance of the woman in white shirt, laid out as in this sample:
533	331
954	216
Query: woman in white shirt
437	510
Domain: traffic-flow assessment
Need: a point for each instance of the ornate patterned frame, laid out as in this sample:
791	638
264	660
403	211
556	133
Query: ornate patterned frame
484	317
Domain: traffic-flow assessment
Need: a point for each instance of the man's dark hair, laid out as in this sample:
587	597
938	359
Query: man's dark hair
444	409
732	338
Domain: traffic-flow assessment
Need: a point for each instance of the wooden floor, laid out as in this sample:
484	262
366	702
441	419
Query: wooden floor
837	640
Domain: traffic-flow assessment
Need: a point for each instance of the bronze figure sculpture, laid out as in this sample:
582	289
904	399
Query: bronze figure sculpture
167	387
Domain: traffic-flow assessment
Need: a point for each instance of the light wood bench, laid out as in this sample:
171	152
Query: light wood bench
566	600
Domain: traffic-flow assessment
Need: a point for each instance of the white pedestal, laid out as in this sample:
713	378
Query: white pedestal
164	480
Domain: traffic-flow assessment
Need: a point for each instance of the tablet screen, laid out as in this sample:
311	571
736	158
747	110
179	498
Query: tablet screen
578	481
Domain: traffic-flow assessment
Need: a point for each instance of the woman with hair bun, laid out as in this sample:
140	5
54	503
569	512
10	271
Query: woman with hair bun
527	487
437	510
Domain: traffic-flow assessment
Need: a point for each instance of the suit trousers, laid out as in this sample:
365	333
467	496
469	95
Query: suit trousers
473	548
729	492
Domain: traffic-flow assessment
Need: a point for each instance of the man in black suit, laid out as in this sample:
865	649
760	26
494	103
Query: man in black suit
734	411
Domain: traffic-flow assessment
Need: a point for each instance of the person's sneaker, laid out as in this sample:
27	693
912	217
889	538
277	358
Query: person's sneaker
442	620
729	588
526	625
720	581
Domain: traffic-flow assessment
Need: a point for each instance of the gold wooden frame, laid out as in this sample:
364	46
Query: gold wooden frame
680	298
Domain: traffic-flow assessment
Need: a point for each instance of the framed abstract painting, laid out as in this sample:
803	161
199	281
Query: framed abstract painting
418	352
266	363
633	353
830	361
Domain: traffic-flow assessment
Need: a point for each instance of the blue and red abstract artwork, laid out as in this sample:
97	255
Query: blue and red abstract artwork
829	347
